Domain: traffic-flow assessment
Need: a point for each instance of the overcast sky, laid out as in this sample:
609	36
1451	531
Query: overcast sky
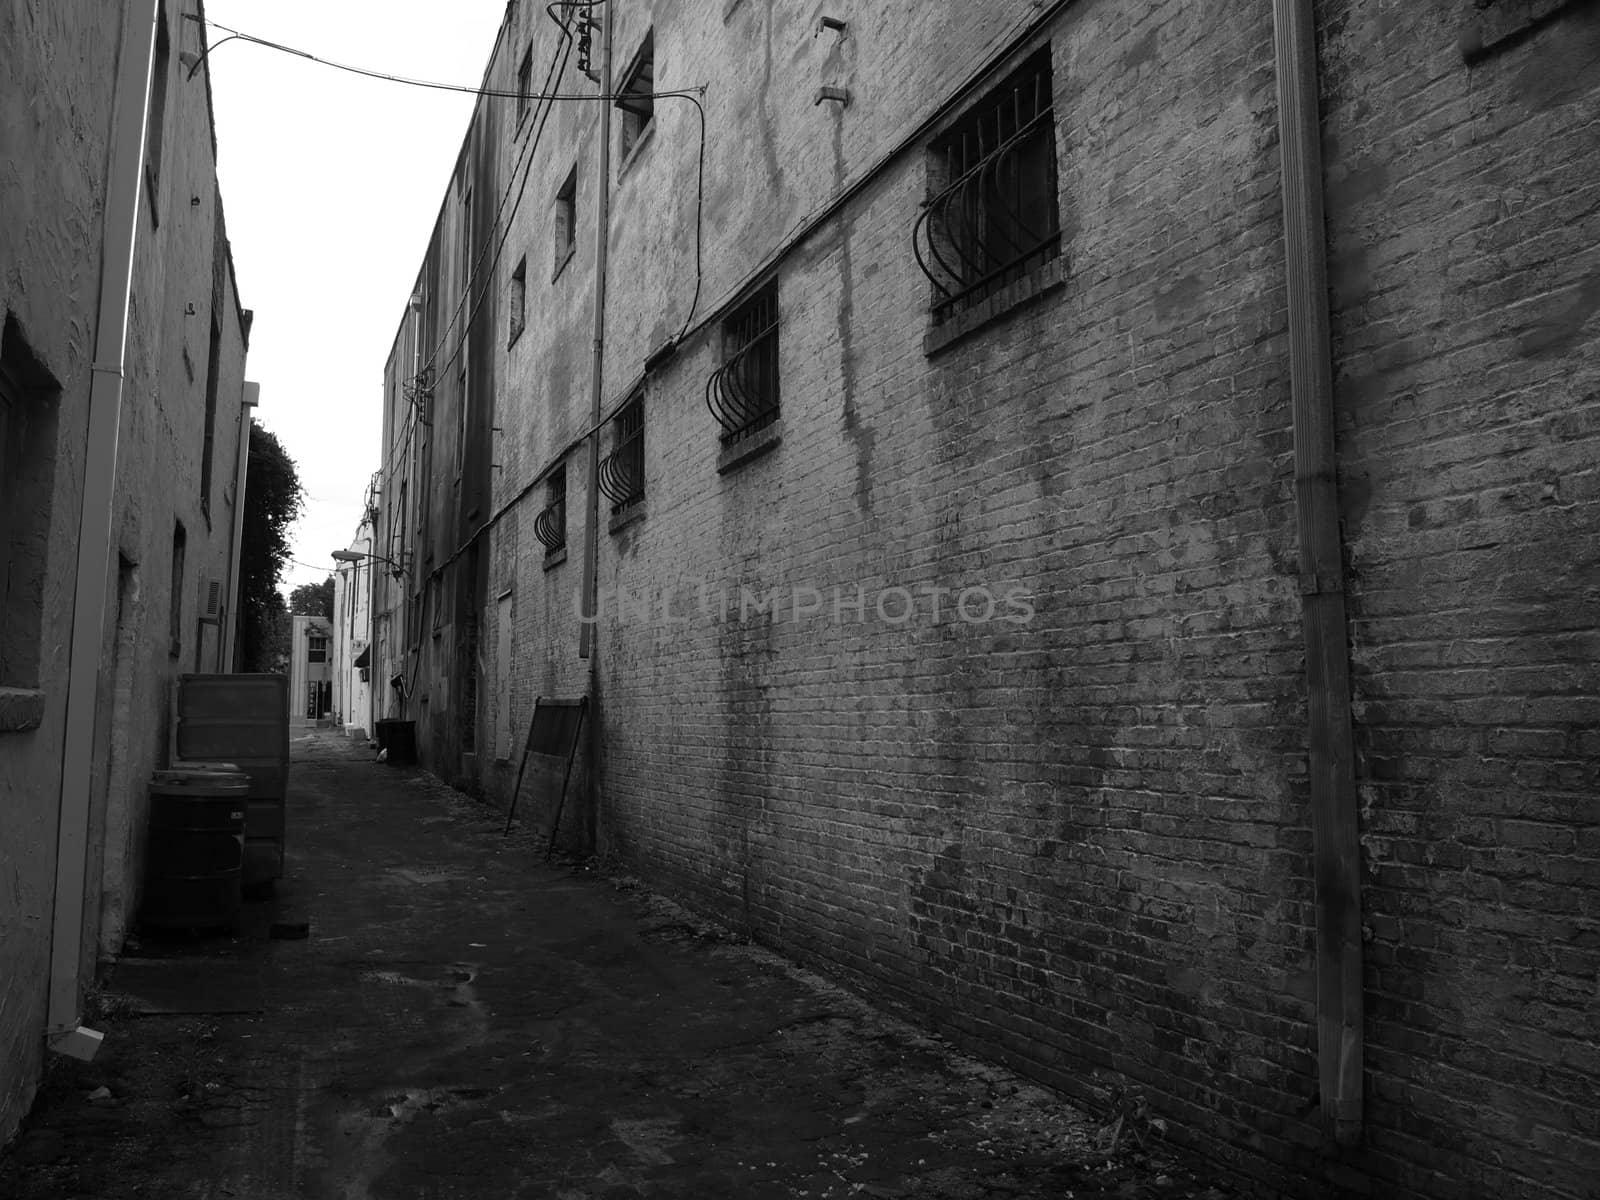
331	183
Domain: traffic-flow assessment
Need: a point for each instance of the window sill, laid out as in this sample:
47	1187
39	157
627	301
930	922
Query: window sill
561	263
646	136
21	709
554	558
1043	279
762	441
627	516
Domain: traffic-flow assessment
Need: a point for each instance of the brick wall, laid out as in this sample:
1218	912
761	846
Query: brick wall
1080	841
1464	218
55	119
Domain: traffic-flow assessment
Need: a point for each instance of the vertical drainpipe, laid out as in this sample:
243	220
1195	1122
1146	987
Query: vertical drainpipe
1336	847
589	630
63	1032
602	231
252	397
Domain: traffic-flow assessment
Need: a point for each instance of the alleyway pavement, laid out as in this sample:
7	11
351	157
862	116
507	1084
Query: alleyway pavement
467	1020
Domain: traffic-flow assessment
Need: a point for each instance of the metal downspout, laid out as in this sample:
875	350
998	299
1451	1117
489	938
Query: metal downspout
1336	848
602	231
63	1031
588	637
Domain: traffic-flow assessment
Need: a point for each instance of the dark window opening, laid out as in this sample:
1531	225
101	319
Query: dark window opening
316	649
525	85
180	542
636	96
622	471
519	295
550	526
29	400
158	107
992	217
743	392
567	218
213	369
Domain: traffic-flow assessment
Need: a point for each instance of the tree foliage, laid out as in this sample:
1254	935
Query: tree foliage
273	499
313	600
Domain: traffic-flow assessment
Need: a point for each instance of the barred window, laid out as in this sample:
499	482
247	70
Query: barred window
743	392
550	526
622	471
992	216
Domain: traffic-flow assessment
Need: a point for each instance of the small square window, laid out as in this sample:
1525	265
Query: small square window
550	526
622	471
518	301
524	86
636	96
992	216
566	219
743	392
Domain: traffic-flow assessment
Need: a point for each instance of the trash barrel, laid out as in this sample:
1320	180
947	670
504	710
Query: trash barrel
399	738
196	853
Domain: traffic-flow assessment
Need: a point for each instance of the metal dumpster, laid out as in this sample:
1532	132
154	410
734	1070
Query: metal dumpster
243	720
196	850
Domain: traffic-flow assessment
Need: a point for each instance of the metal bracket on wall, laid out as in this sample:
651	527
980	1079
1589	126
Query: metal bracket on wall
1320	585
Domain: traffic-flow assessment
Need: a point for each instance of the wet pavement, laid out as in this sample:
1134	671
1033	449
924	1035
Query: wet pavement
467	1020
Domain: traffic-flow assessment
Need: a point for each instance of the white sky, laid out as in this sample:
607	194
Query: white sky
331	183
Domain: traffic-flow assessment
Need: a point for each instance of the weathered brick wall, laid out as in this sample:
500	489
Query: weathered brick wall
1464	221
56	106
1081	841
176	296
1077	841
56	79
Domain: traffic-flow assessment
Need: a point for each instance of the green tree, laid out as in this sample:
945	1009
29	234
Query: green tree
273	498
313	600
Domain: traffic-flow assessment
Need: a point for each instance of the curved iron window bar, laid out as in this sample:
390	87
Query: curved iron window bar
742	393
550	526
621	475
996	219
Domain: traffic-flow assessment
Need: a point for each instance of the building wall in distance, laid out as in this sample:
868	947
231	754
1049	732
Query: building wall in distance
1073	831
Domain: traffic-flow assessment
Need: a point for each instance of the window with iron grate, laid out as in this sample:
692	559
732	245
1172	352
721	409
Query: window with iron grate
992	216
743	392
550	526
622	471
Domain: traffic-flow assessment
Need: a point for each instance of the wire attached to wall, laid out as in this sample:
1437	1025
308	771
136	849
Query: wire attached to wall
525	157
